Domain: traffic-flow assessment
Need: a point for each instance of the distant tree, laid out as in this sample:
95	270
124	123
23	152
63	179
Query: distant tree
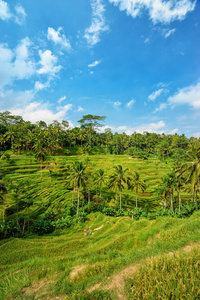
78	172
136	184
41	157
118	178
169	182
3	191
91	123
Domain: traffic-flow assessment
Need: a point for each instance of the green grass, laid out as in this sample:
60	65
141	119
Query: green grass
36	267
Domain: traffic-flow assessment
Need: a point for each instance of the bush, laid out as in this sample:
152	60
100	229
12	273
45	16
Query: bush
10	229
109	211
64	222
42	227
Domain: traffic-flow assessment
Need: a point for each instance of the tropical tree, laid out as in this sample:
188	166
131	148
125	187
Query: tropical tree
78	172
192	169
118	179
3	191
136	184
162	191
169	182
41	157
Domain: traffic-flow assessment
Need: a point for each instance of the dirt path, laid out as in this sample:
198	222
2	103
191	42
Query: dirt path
117	282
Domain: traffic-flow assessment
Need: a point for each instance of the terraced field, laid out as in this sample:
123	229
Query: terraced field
50	190
122	259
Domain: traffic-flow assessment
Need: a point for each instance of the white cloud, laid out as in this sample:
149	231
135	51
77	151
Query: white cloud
61	99
174	131
94	64
91	72
130	103
161	107
11	98
167	33
80	108
147	41
41	86
4	11
159	10
15	64
92	34
58	38
155	94
20	14
5	14
36	111
48	62
121	128
189	95
196	135
151	127
117	104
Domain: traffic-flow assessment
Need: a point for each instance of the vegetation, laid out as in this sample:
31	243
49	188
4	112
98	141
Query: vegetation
139	194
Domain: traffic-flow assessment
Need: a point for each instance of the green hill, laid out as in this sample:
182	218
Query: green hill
122	259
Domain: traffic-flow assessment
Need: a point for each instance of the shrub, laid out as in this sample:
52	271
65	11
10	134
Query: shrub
42	227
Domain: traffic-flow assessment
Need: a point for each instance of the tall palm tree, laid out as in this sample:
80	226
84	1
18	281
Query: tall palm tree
100	179
162	191
136	184
118	178
192	169
78	172
41	157
169	182
3	191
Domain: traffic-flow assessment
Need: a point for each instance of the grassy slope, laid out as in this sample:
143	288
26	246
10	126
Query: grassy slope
73	264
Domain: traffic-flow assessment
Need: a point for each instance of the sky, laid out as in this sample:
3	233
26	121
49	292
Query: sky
137	62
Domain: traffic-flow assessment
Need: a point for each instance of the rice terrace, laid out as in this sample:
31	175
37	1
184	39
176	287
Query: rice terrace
99	150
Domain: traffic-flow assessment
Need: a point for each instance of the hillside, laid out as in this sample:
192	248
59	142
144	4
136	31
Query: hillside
49	189
123	259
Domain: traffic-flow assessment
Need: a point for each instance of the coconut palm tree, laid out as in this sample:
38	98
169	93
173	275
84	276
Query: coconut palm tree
78	173
169	182
41	157
136	184
117	179
192	169
162	191
99	179
3	191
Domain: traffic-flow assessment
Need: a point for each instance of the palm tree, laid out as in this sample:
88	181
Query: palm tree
136	184
78	173
169	182
41	157
118	178
100	179
192	169
162	191
3	191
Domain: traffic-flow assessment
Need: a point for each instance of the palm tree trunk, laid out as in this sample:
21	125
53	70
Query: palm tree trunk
136	198
179	197
100	191
3	210
41	171
88	196
120	198
172	207
78	203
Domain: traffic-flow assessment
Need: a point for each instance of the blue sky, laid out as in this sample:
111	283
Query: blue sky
136	62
